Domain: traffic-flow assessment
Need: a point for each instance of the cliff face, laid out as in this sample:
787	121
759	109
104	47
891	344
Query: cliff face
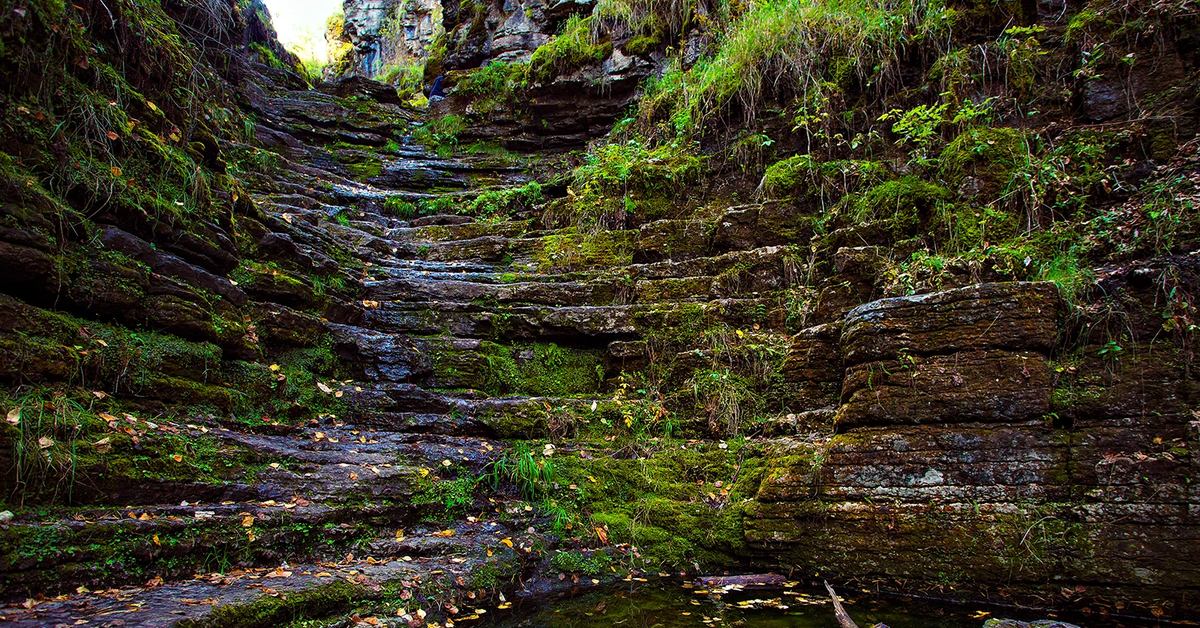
899	295
387	33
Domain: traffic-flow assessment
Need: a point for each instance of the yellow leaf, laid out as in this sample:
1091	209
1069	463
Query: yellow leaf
274	367
155	539
247	521
14	416
399	535
507	543
152	106
444	534
116	172
177	457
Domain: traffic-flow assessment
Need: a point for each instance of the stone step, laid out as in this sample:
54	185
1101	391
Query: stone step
440	562
422	289
568	324
465	421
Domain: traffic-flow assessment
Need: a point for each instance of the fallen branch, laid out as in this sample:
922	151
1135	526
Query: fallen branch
839	611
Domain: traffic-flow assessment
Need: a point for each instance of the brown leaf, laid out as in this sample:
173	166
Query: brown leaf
112	135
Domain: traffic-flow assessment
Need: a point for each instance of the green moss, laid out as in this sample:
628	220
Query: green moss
571	562
680	507
538	369
905	203
449	499
992	155
802	174
270	611
579	251
642	44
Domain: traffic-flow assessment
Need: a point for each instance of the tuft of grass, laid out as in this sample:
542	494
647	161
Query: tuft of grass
532	476
571	49
795	47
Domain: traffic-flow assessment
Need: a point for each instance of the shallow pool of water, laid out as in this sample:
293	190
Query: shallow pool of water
668	605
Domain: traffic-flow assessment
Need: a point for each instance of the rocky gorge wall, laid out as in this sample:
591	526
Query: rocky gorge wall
380	359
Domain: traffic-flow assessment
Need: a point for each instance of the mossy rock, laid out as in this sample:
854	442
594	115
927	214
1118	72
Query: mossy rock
990	155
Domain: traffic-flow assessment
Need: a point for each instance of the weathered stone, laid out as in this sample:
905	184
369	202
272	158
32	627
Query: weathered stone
1012	317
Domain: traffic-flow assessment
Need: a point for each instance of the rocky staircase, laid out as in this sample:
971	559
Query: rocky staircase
465	333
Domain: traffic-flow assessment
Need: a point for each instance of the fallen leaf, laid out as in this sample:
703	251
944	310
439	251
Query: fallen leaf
45	442
247	521
112	135
155	539
177	457
507	543
14	416
444	533
116	172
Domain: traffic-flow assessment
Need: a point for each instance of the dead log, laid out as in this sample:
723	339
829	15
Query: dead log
746	582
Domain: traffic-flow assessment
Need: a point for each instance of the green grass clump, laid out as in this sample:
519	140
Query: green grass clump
571	49
493	86
399	207
533	476
441	134
507	202
623	183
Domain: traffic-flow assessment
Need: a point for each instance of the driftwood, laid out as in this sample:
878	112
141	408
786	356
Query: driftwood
839	611
750	582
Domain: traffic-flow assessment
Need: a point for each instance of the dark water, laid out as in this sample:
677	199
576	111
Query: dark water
668	605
